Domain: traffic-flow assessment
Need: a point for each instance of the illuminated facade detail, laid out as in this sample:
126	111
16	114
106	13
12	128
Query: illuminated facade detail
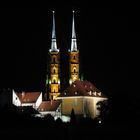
74	56
54	80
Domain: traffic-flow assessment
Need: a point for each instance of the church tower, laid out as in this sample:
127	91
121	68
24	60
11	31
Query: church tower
73	56
54	55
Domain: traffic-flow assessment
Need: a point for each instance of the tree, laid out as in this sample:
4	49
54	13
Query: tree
103	107
73	117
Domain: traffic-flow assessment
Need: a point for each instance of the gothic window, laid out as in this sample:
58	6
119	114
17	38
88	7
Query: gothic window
74	57
54	81
74	70
54	71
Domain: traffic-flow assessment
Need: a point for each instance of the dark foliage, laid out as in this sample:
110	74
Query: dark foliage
72	117
103	107
14	123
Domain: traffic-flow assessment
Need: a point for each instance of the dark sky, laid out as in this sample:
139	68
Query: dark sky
108	40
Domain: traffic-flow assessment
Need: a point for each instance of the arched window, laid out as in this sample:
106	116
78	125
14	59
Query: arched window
54	71
54	81
74	70
74	57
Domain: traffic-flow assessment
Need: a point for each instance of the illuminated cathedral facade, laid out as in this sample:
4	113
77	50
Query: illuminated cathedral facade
82	96
54	70
73	57
54	59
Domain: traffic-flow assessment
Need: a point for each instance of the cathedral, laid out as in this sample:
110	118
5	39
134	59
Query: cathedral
81	95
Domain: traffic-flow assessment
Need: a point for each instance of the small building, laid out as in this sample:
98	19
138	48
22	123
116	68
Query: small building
50	107
33	99
82	96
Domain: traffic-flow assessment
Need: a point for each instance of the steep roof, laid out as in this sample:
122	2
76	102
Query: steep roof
28	97
82	88
49	105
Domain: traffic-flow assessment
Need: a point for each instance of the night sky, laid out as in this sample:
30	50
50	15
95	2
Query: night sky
108	40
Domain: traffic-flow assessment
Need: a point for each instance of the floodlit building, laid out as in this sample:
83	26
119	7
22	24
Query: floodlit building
82	96
33	99
50	107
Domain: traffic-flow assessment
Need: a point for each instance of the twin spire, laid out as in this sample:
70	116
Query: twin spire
54	44
53	28
73	40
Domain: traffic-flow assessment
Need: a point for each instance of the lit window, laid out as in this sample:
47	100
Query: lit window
74	85
90	93
75	93
99	93
65	93
94	93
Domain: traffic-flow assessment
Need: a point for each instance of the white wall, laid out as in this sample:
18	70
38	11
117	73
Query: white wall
39	100
47	112
15	99
28	104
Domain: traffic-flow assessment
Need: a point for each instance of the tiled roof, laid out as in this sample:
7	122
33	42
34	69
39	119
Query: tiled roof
28	97
49	105
82	88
